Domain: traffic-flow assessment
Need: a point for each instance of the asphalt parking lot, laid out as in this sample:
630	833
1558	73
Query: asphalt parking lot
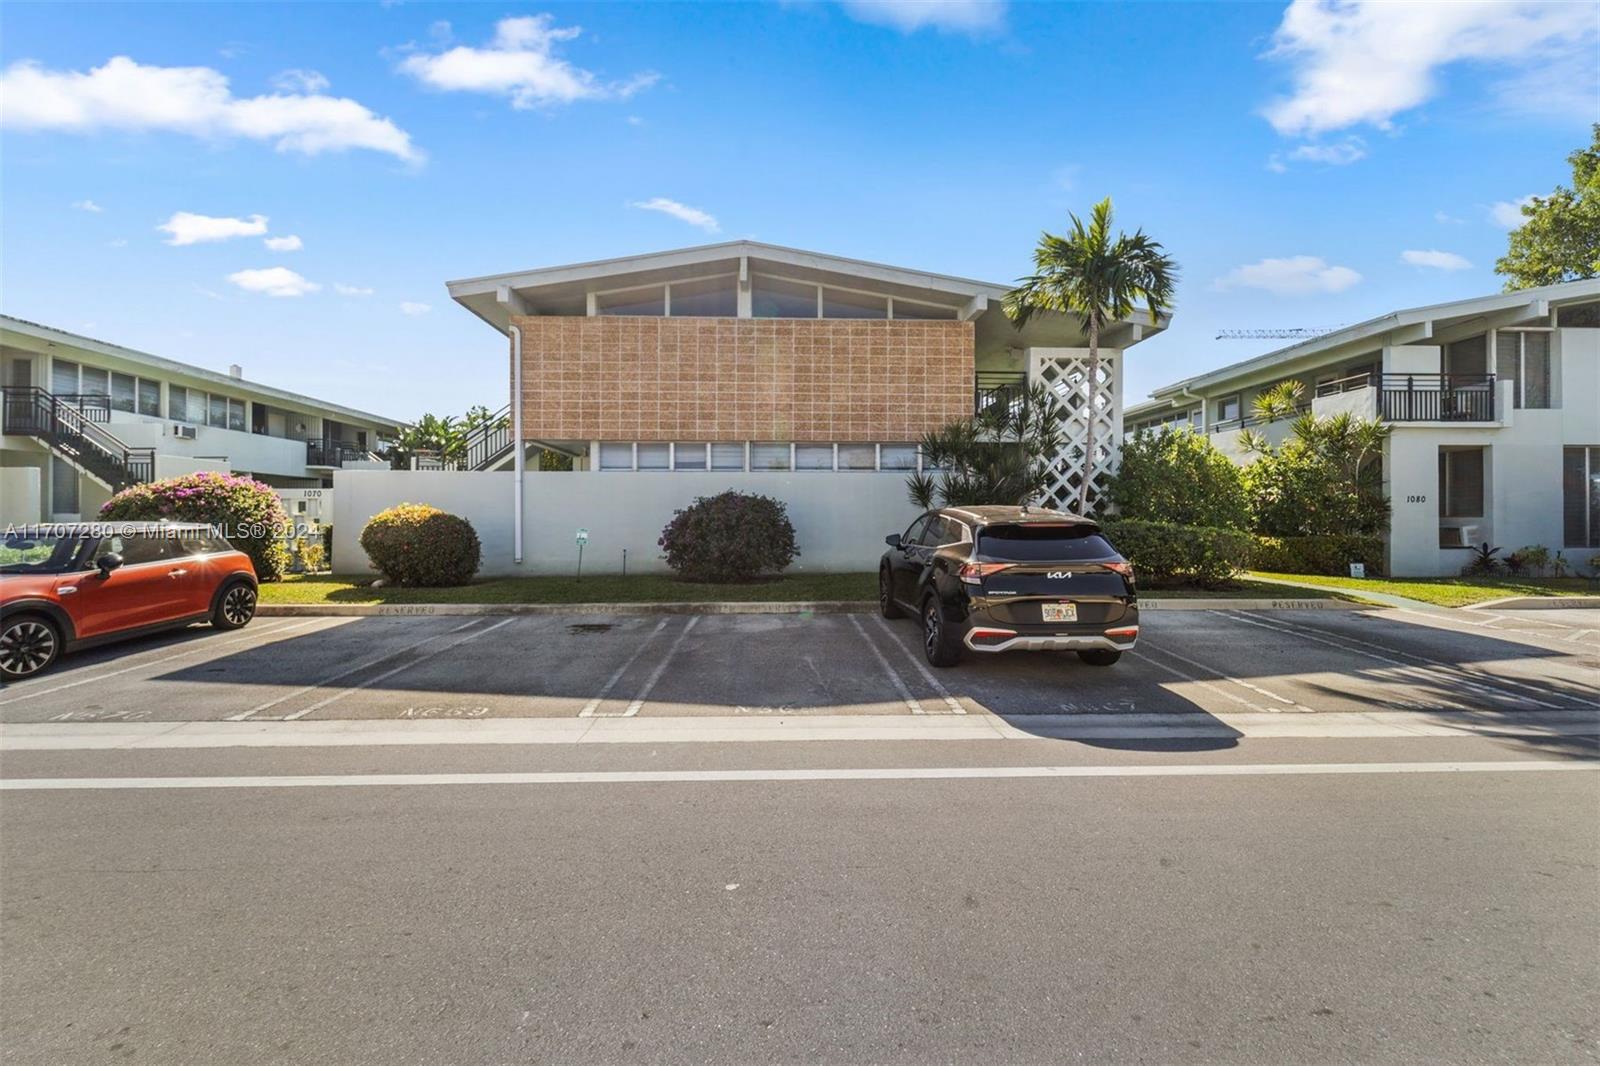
430	666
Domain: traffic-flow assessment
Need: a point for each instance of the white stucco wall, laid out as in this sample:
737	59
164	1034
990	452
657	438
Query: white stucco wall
840	519
255	452
20	495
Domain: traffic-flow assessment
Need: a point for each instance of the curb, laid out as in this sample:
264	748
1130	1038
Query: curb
1536	603
362	610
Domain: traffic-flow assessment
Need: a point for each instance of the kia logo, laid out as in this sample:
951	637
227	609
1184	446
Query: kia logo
1057	575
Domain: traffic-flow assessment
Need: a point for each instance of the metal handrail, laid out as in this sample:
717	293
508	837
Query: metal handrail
1349	384
997	386
1437	397
488	440
32	411
332	452
1256	420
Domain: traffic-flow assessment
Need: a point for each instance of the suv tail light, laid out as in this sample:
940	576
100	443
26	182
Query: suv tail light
974	573
1125	569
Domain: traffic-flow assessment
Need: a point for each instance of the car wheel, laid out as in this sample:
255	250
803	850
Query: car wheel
940	643
1100	656
28	644
886	605
235	607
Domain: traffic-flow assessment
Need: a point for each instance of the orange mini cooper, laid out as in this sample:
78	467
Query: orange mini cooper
66	587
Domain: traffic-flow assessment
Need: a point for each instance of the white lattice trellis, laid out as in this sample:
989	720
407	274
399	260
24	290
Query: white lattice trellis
1064	372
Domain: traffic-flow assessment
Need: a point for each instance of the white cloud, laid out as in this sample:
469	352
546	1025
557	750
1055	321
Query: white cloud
1339	154
414	309
291	243
273	281
88	205
908	16
125	95
1365	61
1294	276
1435	260
186	227
682	212
1444	218
300	81
351	290
520	63
635	120
1507	214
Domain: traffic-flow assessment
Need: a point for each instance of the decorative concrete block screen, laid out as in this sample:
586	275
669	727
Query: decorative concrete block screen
839	518
1065	375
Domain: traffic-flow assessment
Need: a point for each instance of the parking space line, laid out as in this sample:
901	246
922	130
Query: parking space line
661	668
1203	683
1452	671
1286	701
1436	621
424	657
927	675
199	646
899	685
593	705
245	716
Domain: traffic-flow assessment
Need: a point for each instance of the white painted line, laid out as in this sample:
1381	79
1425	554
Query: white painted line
899	685
1434	620
1209	686
196	648
950	701
245	716
661	668
907	773
1286	701
425	656
1455	673
611	682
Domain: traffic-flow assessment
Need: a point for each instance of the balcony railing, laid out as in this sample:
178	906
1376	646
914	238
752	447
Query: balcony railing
1256	420
1004	387
333	452
1436	397
1343	385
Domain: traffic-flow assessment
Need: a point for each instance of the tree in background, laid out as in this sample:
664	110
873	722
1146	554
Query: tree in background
1001	455
444	437
1560	237
1096	278
1327	478
1178	475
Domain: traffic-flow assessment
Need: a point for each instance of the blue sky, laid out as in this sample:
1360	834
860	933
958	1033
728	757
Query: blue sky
1307	166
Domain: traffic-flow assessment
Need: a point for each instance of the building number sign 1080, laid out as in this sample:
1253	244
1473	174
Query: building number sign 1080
1416	499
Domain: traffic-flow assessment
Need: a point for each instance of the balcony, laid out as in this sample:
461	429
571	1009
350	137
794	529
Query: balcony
333	453
1436	397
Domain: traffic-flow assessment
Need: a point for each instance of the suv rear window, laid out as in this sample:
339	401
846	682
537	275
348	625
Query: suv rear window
1042	544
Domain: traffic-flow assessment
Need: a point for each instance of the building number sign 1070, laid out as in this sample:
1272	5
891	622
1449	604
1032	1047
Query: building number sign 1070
1416	499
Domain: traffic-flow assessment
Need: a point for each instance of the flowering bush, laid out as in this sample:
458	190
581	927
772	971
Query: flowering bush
246	512
732	537
414	544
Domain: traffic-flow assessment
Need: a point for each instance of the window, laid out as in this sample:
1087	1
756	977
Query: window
858	457
94	381
813	457
217	412
1228	408
768	456
1523	358
63	377
912	310
727	455
689	456
1580	497
775	298
1578	316
653	456
236	415
943	530
1042	543
837	303
616	456
1467	358
913	533
707	298
122	390
1461	483
63	487
649	301
897	457
150	398
178	404
136	548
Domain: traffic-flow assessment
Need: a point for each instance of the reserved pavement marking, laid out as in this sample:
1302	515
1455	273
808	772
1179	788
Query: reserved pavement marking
245	716
593	705
425	656
200	645
1286	701
661	668
1202	682
906	773
899	685
950	701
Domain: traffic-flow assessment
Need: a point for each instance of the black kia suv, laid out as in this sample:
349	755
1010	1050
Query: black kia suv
992	579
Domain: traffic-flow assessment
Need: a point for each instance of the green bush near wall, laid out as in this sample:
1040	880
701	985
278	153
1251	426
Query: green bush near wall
247	512
1166	553
1331	554
414	544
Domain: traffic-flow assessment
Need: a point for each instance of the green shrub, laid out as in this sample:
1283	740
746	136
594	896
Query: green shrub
1179	476
414	544
731	537
1165	553
1533	559
248	513
1331	554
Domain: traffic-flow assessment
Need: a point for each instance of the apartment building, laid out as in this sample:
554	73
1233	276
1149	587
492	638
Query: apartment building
82	418
1494	404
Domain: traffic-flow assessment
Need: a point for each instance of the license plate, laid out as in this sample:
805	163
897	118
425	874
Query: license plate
1060	612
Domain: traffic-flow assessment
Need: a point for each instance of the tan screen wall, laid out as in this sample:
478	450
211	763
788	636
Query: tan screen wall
692	379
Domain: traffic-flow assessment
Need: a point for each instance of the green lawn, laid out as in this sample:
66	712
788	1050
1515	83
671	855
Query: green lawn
1451	591
661	588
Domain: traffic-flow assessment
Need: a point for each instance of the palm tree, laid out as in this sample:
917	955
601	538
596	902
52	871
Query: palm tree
1096	278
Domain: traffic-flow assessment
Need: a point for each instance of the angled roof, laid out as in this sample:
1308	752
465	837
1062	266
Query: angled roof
50	335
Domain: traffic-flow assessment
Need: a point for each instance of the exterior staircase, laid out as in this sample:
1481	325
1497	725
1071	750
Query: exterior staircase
72	428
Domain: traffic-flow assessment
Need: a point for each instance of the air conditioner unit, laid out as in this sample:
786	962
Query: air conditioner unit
183	432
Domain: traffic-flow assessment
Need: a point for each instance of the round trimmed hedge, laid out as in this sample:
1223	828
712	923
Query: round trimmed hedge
248	513
734	536
414	544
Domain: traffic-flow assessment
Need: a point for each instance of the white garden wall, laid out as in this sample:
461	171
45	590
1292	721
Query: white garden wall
839	518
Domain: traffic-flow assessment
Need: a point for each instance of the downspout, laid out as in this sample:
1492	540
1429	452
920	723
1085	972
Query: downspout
519	460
